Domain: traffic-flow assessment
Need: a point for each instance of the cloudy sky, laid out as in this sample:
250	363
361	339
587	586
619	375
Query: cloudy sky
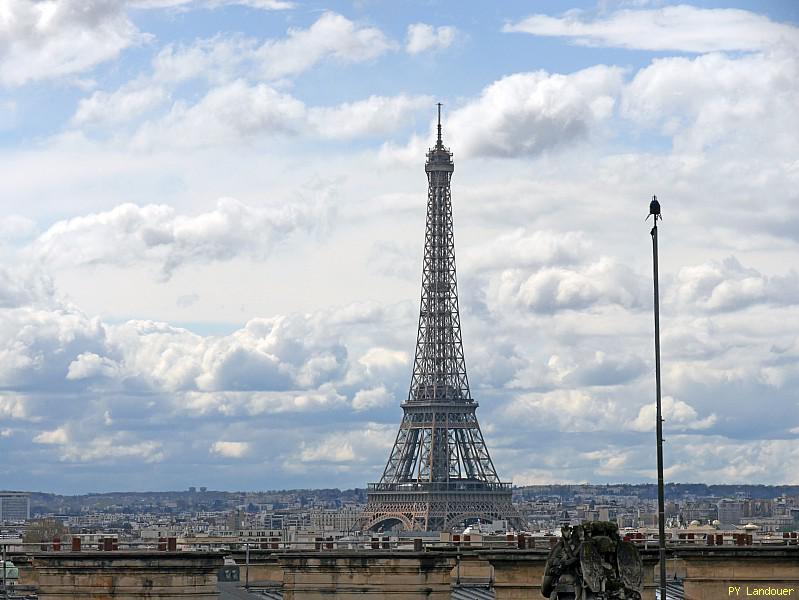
212	218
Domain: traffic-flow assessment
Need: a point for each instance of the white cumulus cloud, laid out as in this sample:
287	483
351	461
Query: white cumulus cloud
566	410
677	414
331	451
230	112
260	4
56	38
238	111
525	248
113	449
56	436
374	116
126	103
230	449
553	289
90	365
682	27
528	113
12	407
372	398
718	99
728	285
332	37
157	234
422	37
25	286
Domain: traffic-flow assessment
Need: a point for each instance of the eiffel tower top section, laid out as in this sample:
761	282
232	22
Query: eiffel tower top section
439	368
439	160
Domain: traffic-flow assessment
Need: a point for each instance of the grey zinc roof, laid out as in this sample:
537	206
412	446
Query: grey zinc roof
473	592
675	590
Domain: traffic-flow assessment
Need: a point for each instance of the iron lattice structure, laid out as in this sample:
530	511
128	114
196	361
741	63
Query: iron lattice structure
439	472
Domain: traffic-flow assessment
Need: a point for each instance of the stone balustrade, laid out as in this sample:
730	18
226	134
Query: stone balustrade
351	575
708	573
127	575
746	572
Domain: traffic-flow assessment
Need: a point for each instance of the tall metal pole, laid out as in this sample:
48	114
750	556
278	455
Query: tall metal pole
5	568
654	209
247	574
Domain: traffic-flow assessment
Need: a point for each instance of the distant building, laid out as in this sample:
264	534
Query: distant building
758	508
702	511
648	519
342	519
15	506
731	511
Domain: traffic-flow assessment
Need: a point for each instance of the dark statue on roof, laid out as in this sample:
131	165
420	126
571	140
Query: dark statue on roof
591	562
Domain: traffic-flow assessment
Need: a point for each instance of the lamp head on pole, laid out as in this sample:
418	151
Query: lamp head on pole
654	209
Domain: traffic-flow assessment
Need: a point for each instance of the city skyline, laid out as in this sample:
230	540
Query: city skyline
213	224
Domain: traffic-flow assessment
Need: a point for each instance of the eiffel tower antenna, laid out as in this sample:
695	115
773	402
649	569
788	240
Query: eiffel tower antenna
439	472
438	142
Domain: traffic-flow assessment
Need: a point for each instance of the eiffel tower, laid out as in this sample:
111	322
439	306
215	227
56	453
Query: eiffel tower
439	473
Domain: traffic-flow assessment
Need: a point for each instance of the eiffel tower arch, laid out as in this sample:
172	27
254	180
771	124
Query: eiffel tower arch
439	471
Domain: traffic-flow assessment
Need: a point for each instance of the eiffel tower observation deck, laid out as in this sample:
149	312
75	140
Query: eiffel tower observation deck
439	473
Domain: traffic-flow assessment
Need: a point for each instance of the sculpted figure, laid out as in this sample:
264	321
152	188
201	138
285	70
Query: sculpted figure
592	562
